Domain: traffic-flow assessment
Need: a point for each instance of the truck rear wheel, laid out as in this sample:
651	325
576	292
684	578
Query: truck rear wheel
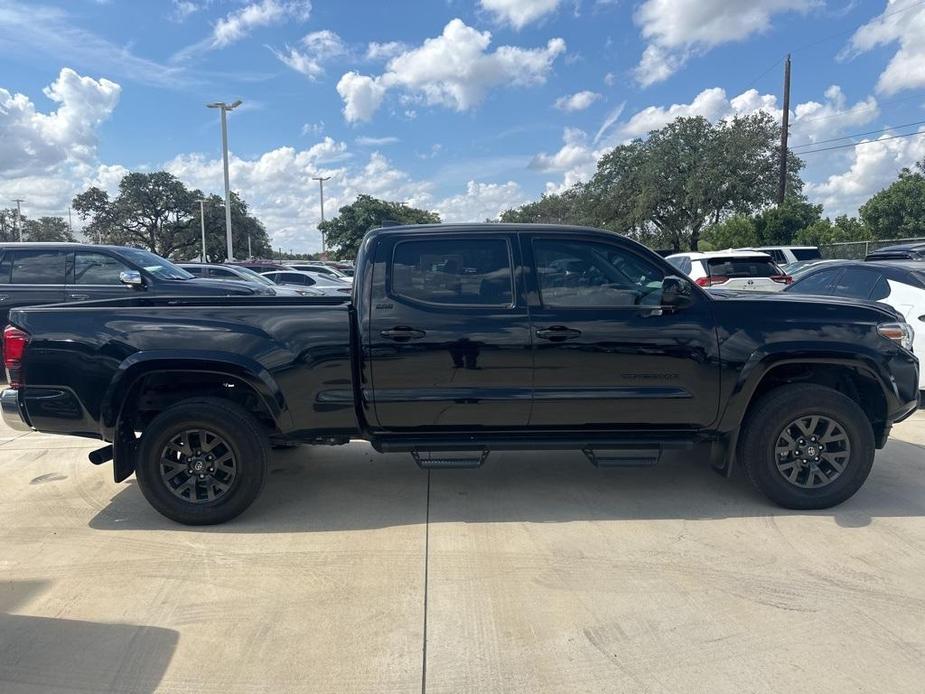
203	461
806	446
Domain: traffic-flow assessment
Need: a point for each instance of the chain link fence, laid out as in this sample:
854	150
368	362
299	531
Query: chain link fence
856	250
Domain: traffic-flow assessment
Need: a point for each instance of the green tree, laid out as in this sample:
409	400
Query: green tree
345	231
242	225
737	231
692	173
898	211
779	225
825	232
152	210
553	208
41	229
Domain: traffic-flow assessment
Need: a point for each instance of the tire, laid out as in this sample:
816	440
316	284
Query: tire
771	440
213	427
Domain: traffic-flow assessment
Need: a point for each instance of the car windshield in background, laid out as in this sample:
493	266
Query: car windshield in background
806	253
256	276
742	267
157	266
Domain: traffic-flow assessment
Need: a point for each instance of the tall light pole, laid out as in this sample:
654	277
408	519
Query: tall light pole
224	108
321	180
202	224
19	202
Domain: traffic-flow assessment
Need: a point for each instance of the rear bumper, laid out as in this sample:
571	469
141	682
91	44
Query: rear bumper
14	415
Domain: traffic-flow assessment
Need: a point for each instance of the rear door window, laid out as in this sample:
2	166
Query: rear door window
32	266
742	267
856	283
816	283
453	272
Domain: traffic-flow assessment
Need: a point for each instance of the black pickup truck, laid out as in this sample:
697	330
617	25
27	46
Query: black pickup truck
459	341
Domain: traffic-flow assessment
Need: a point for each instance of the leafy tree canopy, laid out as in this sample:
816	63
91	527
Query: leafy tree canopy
158	212
898	211
41	229
345	231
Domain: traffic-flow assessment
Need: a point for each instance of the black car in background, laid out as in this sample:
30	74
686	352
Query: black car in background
903	251
32	274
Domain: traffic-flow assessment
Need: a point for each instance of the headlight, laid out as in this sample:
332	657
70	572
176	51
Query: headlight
898	332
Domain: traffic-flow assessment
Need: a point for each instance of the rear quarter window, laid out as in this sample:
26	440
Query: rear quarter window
806	253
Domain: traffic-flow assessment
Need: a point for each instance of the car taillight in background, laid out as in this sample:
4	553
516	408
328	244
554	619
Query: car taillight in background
14	345
782	279
711	281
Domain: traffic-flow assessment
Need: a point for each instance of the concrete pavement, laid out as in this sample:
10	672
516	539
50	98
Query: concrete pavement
543	574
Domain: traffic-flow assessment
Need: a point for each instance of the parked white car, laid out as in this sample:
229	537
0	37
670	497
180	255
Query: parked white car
784	255
743	270
897	283
321	269
328	286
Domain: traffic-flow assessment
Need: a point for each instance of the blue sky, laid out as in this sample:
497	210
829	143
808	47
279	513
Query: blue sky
463	106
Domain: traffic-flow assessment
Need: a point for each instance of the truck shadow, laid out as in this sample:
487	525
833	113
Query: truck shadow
39	654
355	488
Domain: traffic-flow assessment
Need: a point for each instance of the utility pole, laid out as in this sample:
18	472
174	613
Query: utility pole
202	225
784	134
221	105
19	202
321	180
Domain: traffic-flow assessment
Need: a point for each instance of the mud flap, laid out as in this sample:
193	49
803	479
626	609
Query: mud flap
124	452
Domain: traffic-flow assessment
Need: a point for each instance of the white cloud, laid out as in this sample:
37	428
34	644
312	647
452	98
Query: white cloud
313	128
319	46
578	101
481	201
362	95
873	167
364	141
384	51
182	9
576	160
902	22
809	120
677	29
454	69
519	13
32	141
241	22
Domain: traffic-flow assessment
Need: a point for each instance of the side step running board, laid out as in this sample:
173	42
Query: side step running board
623	457
431	460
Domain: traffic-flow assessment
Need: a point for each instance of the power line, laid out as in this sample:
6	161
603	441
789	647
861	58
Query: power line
848	137
859	144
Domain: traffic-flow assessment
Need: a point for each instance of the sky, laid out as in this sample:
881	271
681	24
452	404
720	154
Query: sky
466	107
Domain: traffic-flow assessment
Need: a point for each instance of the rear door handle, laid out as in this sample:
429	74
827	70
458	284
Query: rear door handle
79	297
558	333
403	333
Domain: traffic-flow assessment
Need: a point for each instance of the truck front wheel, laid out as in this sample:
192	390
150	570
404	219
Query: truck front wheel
202	461
806	446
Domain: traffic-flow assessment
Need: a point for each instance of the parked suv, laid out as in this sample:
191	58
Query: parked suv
749	270
32	274
903	251
784	255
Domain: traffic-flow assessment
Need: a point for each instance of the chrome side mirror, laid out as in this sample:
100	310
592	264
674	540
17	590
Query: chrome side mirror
132	278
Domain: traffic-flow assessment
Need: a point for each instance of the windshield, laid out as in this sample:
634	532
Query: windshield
255	276
154	264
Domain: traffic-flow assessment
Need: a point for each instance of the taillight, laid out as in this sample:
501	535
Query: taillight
14	346
711	281
782	279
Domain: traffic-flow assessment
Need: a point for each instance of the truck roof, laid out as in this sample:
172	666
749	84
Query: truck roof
489	226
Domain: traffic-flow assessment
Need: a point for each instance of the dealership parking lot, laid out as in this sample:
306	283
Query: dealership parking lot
536	573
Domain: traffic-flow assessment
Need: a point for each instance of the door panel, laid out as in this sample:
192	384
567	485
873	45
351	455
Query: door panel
30	277
449	336
95	275
606	354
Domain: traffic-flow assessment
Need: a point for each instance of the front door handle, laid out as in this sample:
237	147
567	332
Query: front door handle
402	333
4	297
558	333
79	297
